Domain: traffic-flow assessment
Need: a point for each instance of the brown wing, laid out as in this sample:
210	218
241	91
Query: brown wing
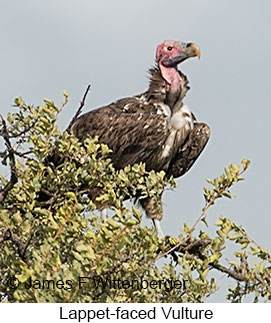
190	151
131	127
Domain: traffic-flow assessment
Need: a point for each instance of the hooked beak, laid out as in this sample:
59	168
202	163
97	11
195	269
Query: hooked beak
192	50
187	50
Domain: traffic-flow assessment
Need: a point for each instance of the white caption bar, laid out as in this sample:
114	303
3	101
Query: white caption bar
83	313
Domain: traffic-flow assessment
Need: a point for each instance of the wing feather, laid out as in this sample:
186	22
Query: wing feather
190	151
131	127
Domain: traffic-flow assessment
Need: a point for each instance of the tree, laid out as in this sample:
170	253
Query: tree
60	250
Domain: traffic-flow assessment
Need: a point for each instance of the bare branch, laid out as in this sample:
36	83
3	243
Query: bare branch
206	207
79	110
232	273
24	131
13	177
23	154
5	235
21	246
192	246
195	247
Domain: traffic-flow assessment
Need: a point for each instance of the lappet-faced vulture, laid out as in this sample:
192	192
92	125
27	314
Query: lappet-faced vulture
154	127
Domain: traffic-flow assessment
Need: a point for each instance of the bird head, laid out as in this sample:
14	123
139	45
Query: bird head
171	53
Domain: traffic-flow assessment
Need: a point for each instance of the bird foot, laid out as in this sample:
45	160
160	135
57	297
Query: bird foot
158	228
104	214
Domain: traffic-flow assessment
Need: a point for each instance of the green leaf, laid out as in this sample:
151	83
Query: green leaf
137	213
204	220
235	236
112	223
187	229
71	195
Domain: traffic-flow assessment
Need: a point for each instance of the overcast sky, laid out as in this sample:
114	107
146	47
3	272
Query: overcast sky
55	45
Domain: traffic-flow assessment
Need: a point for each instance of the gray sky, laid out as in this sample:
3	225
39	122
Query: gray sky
50	46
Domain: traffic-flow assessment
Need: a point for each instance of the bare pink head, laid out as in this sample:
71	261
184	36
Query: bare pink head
170	53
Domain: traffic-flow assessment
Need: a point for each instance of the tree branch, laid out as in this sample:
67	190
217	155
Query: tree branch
195	247
13	177
21	246
218	194
232	273
24	131
79	110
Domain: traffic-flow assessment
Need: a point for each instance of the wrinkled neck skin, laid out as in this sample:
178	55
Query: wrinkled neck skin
174	84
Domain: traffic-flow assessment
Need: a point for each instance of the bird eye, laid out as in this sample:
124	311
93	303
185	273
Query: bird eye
170	48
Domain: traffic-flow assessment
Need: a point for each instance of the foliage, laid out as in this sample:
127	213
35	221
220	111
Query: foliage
59	250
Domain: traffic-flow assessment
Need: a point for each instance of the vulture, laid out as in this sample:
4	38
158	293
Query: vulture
154	127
